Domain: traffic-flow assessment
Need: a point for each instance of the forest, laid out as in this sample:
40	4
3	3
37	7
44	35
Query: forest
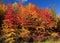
28	24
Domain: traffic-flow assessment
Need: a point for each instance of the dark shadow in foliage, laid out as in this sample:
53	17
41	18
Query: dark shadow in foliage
58	25
30	40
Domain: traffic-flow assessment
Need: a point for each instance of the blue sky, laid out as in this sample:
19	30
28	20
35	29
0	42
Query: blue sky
40	3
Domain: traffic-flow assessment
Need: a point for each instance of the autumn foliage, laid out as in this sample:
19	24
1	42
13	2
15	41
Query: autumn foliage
27	23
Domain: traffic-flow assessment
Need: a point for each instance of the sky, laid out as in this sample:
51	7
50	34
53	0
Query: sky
39	3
